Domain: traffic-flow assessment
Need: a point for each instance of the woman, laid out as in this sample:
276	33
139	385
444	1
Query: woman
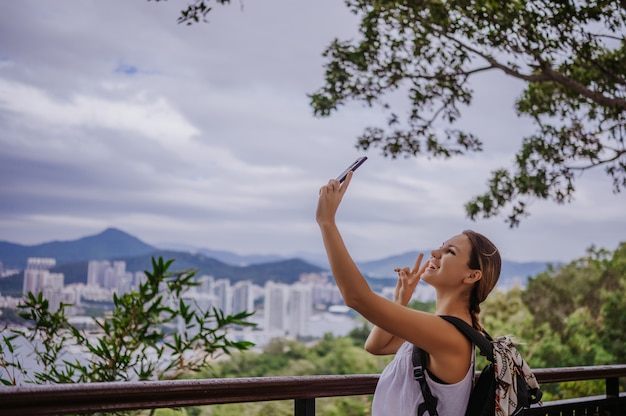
463	271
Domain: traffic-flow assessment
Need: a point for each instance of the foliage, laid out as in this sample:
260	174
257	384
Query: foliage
360	333
572	315
281	357
423	306
155	332
344	406
569	55
554	295
274	408
613	336
196	11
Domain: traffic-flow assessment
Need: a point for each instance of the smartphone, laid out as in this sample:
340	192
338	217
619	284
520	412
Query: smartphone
352	167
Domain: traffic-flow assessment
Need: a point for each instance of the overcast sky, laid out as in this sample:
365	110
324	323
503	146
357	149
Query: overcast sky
114	115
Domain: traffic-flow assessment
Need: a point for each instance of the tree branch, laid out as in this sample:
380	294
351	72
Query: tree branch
455	74
576	86
547	74
618	154
494	63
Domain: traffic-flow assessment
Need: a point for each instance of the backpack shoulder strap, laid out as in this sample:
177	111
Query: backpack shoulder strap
419	369
482	340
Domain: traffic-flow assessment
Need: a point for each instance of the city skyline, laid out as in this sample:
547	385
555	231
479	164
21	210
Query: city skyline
286	310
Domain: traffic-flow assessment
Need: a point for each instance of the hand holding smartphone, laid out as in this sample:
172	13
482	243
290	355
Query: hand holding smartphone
351	168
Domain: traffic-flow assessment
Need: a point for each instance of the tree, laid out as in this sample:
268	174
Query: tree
554	295
569	54
613	310
196	11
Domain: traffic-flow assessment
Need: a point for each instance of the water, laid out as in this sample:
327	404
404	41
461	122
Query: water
338	325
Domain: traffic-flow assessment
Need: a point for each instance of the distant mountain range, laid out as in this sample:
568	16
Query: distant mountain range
109	244
72	258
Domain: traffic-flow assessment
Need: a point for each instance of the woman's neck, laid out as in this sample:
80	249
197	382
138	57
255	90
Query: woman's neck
453	305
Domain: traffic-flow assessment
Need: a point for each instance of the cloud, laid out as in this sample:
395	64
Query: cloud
204	135
141	114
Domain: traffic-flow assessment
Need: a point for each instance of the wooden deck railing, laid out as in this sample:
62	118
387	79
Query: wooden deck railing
88	398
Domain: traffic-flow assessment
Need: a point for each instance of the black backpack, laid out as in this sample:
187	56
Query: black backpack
482	400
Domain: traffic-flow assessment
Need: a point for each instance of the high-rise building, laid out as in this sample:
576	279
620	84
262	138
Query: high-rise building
300	307
38	279
52	289
124	283
275	306
326	294
109	276
243	298
96	270
113	276
205	284
139	278
36	271
221	290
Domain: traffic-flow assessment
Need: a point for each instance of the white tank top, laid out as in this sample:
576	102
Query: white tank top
398	393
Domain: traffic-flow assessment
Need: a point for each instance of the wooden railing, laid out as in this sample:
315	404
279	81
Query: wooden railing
88	398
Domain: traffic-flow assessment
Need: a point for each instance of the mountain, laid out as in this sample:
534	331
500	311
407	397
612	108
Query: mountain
286	271
110	243
224	256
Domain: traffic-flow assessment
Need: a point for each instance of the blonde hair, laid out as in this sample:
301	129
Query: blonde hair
486	258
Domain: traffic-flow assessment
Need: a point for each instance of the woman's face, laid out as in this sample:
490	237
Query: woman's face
448	265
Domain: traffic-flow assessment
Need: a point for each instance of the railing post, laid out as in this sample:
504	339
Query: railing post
304	407
612	387
612	394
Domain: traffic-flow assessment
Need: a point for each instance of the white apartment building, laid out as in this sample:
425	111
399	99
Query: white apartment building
300	307
112	276
52	289
222	292
205	283
37	269
275	306
38	279
96	270
288	308
326	294
243	297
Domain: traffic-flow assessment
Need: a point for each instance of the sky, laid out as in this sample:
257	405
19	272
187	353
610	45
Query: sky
114	115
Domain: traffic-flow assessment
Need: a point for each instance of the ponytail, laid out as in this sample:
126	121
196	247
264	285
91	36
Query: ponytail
474	309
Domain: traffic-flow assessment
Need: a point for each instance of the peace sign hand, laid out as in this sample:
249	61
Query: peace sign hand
408	280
